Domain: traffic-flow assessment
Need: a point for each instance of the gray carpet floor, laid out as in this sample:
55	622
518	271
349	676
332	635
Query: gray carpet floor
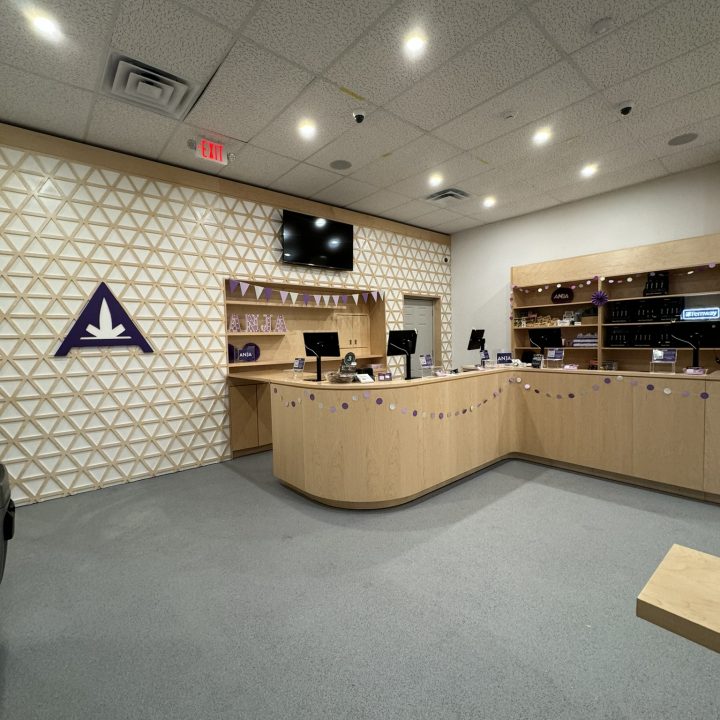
217	593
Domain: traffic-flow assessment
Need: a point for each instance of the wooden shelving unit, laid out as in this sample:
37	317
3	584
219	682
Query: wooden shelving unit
652	320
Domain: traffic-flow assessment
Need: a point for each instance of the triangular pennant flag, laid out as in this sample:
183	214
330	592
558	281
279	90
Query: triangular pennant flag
381	294
343	299
365	297
293	297
233	285
335	299
306	298
114	326
317	299
374	295
259	290
283	295
244	288
356	298
268	293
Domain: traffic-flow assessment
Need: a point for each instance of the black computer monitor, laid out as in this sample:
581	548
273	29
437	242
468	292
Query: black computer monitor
477	340
696	335
545	337
320	345
402	342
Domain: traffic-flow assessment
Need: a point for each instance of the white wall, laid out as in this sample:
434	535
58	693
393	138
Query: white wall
681	205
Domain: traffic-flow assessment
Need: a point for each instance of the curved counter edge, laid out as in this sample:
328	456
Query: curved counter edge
386	444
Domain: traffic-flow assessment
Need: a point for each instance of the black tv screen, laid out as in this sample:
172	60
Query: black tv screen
316	241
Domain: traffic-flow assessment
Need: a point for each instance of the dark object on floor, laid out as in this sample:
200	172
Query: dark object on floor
7	517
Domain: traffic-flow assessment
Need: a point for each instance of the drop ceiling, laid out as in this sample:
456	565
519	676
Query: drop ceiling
494	72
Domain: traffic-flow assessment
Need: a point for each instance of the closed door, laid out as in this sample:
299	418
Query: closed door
418	315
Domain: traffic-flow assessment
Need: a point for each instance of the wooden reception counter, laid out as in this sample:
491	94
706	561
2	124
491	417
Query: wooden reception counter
384	444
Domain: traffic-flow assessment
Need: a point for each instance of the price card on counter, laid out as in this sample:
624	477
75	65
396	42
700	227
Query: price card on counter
426	361
299	364
503	358
555	353
664	355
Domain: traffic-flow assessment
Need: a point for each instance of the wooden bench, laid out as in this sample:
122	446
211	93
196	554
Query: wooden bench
683	596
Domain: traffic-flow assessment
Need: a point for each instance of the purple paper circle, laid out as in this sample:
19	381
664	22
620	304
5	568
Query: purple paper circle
596	387
333	409
432	416
537	391
650	387
275	390
571	395
633	382
704	395
686	393
404	411
379	401
345	406
312	396
607	381
441	416
414	413
559	397
464	410
366	394
293	403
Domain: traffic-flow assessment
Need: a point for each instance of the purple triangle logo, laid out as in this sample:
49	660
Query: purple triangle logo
103	322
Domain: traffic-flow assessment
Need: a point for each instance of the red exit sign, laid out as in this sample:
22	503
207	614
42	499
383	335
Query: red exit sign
210	150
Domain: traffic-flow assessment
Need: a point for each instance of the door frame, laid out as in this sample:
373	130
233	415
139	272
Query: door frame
437	321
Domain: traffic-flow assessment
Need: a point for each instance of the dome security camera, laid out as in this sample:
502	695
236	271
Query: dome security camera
359	116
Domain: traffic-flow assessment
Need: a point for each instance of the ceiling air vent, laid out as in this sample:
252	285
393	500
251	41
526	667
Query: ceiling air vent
448	194
148	87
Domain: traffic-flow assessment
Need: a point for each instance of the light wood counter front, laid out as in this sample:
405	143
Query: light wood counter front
384	444
683	596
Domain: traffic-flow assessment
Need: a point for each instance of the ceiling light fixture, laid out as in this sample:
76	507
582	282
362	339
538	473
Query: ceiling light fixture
44	26
542	136
435	179
415	43
683	139
320	222
490	201
589	170
307	129
601	26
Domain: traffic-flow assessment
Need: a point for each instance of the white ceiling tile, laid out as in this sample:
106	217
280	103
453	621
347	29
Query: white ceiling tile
707	131
381	133
678	113
177	152
507	56
685	74
170	37
231	13
41	104
695	157
438	217
375	66
379	202
520	207
570	23
256	166
344	192
321	101
453	171
416	156
611	181
655	38
78	59
410	212
548	91
305	180
456	225
128	128
311	33
251	87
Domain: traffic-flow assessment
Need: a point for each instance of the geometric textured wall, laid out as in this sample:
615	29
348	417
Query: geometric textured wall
99	417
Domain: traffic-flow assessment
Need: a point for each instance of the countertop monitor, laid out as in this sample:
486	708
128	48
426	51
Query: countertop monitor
477	340
320	345
402	342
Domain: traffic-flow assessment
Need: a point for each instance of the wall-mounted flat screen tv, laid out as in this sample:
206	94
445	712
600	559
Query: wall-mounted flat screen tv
316	241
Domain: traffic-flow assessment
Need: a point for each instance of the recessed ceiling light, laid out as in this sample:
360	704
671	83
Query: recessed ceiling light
489	201
589	170
307	129
320	222
683	139
415	43
340	164
542	136
435	179
44	26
